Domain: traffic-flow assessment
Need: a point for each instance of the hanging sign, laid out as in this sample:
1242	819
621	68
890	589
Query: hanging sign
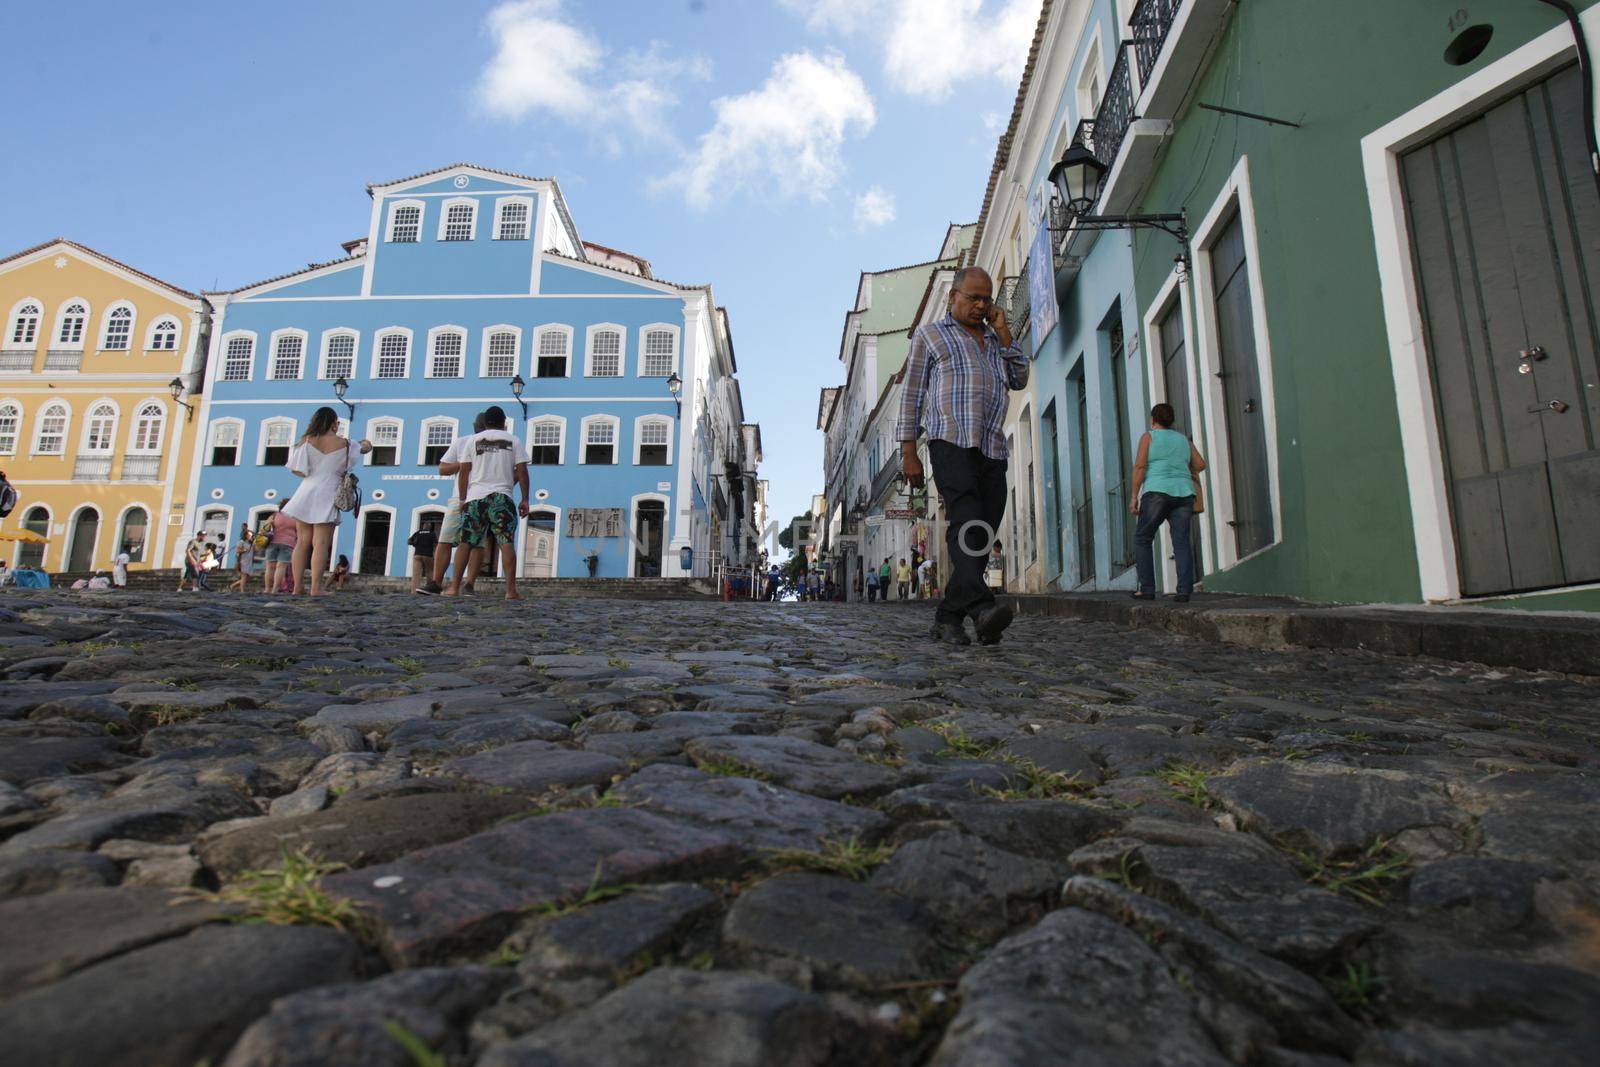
1041	277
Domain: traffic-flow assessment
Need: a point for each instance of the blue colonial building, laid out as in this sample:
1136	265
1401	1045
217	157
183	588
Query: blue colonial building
470	280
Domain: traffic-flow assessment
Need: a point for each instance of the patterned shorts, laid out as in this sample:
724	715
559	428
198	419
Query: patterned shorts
492	516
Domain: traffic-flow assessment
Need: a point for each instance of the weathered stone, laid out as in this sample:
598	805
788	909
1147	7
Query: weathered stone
466	894
24	760
609	938
338	739
340	773
167	808
800	765
1052	752
480	733
45	870
1080	989
1042	829
536	766
971	887
177	1002
1493	894
14	801
679	1018
96	709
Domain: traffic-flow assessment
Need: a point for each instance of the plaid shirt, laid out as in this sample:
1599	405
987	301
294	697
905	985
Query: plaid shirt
955	387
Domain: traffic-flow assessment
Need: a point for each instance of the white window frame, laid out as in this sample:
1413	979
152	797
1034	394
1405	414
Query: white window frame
394	209
211	442
272	354
61	320
131	448
22	524
538	334
261	436
560	422
105	325
422	435
369	432
638	435
589	335
377	347
38	426
12	402
88	423
500	206
433	335
677	344
15	318
1235	196
616	437
483	348
222	349
355	352
155	329
444	216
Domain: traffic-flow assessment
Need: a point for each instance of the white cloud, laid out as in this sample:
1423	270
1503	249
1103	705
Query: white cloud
845	16
545	63
874	208
782	140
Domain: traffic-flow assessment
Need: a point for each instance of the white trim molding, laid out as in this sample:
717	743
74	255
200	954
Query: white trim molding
436	332
38	427
161	419
469	202
49	524
91	412
539	333
287	333
629	540
225	342
500	206
639	423
36	307
210	440
355	351
590	334
394	210
560	423
616	437
373	422
377	352
154	330
422	436
487	336
645	331
105	325
361	539
56	340
267	425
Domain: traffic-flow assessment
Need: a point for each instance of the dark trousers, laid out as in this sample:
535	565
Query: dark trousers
973	488
1176	512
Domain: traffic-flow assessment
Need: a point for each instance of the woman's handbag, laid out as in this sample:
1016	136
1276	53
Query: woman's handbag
263	537
348	497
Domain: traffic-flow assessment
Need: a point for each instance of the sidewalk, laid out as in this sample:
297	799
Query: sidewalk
1569	643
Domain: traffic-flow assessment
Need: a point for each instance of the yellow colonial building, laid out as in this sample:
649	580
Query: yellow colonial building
96	424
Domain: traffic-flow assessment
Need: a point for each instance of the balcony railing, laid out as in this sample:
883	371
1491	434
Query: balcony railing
1016	294
92	469
16	360
1083	520
141	468
886	476
63	359
1116	111
1150	21
1122	524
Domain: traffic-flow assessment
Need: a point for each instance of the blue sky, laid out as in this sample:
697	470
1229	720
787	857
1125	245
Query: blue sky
774	148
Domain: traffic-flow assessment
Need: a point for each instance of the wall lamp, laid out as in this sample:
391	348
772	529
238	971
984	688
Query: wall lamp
175	387
675	387
1078	177
339	387
517	386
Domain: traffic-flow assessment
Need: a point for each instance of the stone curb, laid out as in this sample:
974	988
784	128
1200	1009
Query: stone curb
1524	640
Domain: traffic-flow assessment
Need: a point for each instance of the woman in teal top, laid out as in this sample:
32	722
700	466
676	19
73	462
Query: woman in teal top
1164	490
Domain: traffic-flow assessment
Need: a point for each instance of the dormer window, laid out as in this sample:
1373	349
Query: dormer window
119	325
164	335
25	325
459	220
70	333
511	218
405	222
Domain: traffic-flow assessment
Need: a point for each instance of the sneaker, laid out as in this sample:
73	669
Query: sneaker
430	588
992	623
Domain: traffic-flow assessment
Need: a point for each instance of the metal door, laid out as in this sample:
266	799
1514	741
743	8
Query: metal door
1175	378
1505	242
1240	373
1049	434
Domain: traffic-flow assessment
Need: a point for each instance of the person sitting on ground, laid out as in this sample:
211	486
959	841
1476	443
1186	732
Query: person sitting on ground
341	572
99	581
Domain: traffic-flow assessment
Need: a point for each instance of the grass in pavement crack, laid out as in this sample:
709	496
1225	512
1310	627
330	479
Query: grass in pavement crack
957	743
291	894
593	895
1357	989
846	856
727	767
1188	782
421	1055
1366	877
1033	782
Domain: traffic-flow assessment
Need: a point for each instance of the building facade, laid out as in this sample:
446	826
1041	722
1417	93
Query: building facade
91	434
468	280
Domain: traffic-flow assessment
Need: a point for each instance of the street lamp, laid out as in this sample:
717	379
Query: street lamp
1077	177
675	386
517	386
339	387
175	387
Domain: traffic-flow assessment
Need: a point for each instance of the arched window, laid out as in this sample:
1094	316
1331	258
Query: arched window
163	335
277	438
24	330
288	355
118	328
338	354
605	352
458	220
37	521
445	347
500	352
511	218
148	425
600	439
99	428
555	346
437	435
50	437
238	357
385	437
405	222
10	425
69	334
225	437
652	445
660	352
131	538
394	355
546	440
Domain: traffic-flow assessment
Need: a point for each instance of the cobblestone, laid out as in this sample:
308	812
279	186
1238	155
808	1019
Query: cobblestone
583	828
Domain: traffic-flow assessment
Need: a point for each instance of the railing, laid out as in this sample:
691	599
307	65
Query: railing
1116	111
16	360
1083	525
886	476
1019	306
63	359
141	468
1122	524
92	469
1150	21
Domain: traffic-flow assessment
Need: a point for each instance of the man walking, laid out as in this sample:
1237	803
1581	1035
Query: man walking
494	460
957	374
903	578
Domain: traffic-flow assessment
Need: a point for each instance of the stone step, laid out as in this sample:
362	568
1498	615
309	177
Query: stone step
631	588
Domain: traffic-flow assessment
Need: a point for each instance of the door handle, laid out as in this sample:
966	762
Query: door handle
1557	406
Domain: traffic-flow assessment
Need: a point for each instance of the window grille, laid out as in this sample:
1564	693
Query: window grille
385	444
502	361
545	448
435	441
606	359
658	352
287	356
102	425
277	438
147	428
552	355
164	336
341	361
52	431
513	221
445	361
406	227
26	329
458	222
71	332
394	356
10	421
237	359
118	326
600	443
225	437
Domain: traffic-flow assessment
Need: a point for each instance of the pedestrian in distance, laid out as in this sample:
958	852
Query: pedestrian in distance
424	543
119	568
902	578
926	578
244	552
872	585
321	458
341	573
1165	491
495	461
883	580
192	552
281	533
957	376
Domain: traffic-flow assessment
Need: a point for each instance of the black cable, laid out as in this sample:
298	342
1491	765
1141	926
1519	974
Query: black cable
1586	70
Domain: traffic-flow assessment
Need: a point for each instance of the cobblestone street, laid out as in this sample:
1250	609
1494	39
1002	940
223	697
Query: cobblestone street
601	832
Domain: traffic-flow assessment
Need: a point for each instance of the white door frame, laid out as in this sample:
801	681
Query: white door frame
361	536
630	539
555	550
1174	289
1420	437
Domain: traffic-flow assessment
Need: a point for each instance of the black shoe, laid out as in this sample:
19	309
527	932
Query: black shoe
951	633
992	623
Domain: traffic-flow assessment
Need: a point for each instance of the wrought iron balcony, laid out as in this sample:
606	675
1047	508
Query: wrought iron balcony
141	468
1111	122
1150	21
92	469
1015	298
887	475
16	360
63	359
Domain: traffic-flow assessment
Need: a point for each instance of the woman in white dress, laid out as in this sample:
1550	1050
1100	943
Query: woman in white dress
321	457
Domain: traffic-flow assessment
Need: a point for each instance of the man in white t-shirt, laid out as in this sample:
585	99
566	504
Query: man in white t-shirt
494	460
